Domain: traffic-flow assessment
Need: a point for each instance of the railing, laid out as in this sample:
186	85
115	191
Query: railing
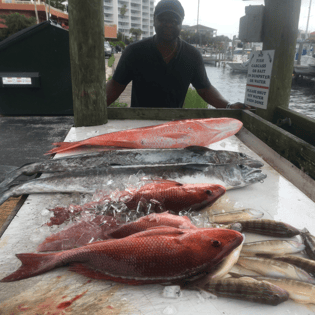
32	3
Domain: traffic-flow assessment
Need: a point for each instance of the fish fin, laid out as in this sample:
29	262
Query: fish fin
158	230
162	181
94	274
32	265
64	146
305	230
197	149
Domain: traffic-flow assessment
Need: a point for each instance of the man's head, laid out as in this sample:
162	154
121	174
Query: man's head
168	18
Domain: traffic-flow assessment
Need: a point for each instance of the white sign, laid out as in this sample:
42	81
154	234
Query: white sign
258	78
13	80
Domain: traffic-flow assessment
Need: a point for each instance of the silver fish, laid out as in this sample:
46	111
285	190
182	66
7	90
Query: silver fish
272	247
89	181
269	227
299	291
193	154
275	269
303	263
249	290
235	216
309	242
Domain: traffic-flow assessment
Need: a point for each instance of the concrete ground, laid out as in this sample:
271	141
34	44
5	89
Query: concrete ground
25	140
125	97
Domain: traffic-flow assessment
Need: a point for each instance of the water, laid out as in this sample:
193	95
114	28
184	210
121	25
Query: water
232	86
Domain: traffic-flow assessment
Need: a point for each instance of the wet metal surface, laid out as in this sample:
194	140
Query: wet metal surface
62	292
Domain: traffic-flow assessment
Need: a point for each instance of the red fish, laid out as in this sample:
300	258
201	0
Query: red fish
171	195
152	220
105	227
79	234
174	134
157	255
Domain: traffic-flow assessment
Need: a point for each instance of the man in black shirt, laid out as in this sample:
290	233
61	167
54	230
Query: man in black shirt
162	67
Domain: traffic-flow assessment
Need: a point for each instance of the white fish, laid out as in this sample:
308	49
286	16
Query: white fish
234	216
272	247
275	269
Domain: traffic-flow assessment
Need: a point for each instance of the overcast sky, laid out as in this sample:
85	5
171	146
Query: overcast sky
224	15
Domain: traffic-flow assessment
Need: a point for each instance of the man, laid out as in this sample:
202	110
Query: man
163	66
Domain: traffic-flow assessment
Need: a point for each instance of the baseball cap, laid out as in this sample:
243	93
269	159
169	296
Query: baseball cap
170	6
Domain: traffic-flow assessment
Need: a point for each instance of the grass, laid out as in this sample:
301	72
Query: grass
193	100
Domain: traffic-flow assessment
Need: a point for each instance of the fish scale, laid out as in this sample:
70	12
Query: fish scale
153	256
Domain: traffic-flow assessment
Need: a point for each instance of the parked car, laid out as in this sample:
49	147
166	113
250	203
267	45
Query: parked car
108	49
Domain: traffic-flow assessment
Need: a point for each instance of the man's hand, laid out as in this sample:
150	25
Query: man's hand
240	105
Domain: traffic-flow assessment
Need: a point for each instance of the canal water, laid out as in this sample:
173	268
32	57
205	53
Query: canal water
232	86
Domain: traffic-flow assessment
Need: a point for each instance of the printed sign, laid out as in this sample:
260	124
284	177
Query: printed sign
258	78
15	81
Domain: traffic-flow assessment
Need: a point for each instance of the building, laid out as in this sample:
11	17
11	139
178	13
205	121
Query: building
139	15
212	32
27	8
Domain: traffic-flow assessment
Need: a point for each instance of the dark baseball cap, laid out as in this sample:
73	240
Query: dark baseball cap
170	6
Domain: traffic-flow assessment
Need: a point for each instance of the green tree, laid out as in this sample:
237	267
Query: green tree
15	23
122	12
56	4
136	32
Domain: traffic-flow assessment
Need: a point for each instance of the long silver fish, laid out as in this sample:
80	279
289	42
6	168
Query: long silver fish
299	291
248	289
193	154
272	247
89	181
275	269
269	227
309	242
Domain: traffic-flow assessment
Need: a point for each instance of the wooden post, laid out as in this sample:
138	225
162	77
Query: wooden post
280	32
86	41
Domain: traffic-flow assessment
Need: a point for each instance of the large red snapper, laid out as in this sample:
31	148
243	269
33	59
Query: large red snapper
171	196
158	255
174	134
106	227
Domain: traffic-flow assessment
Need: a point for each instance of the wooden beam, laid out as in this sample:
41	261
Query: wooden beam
86	41
170	113
280	30
301	126
297	151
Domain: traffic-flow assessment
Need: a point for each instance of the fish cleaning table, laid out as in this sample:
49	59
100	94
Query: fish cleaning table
60	291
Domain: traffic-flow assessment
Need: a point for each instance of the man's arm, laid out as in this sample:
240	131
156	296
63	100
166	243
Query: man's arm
213	97
113	91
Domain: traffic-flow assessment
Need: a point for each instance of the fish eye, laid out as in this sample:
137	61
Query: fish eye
241	166
216	243
242	155
209	192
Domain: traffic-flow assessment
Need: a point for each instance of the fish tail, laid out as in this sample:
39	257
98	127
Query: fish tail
5	195
64	146
32	265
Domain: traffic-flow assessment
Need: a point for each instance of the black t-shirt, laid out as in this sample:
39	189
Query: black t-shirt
155	83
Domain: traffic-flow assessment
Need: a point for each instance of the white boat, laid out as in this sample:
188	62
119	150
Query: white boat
239	66
307	66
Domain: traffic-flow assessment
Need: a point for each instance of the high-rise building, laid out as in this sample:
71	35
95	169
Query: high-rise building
139	15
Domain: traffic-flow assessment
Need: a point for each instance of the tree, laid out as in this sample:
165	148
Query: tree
122	12
56	4
15	23
136	32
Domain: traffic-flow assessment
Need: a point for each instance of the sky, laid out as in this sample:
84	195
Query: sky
224	15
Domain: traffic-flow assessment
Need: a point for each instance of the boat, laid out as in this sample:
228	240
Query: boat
239	66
